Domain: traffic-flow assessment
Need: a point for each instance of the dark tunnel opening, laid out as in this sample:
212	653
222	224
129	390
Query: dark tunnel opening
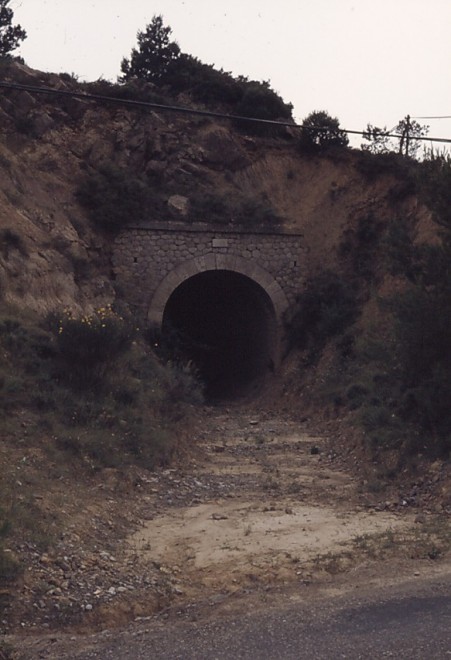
225	323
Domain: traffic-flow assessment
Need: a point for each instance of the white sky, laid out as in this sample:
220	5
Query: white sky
361	60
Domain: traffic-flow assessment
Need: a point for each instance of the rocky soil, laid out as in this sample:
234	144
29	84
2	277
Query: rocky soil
260	506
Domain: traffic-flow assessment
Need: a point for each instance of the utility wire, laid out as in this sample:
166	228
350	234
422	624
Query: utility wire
183	110
437	117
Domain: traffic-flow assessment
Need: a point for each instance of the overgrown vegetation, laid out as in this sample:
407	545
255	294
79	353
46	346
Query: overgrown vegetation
88	347
326	307
94	396
159	60
413	392
115	196
400	375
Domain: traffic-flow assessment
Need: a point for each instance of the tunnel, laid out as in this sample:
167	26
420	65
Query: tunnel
225	323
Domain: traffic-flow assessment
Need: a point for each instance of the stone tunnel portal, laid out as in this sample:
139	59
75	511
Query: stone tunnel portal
226	324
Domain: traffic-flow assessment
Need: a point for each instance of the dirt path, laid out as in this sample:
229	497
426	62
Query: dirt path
268	502
263	508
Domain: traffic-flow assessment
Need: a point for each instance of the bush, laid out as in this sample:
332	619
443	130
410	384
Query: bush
324	310
320	132
159	60
407	406
89	346
260	101
360	246
114	197
202	81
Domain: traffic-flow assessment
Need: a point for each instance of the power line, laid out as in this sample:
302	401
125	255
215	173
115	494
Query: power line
436	117
189	111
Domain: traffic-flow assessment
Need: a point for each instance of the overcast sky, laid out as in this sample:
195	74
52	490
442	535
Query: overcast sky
361	60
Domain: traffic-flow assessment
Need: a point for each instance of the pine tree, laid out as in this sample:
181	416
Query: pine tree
10	35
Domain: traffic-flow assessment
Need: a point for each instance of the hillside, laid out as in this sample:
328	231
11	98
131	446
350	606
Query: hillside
50	146
72	172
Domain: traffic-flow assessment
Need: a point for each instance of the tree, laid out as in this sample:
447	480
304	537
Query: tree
154	54
320	131
378	140
409	132
10	35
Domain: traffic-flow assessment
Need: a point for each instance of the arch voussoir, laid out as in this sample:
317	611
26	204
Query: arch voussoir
212	261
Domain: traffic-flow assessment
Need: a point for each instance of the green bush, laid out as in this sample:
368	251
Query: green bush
261	102
374	166
114	197
89	346
159	60
202	81
99	397
321	132
327	306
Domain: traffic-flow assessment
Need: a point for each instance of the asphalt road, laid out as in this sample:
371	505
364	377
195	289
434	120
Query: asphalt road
412	623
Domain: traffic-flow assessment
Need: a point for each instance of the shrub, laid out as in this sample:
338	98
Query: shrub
202	81
262	102
159	60
407	406
320	131
114	197
89	346
325	309
373	166
360	246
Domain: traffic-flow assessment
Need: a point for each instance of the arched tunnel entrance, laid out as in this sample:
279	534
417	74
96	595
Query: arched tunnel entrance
226	324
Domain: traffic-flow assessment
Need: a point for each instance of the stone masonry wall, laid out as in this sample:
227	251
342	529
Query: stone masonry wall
144	256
